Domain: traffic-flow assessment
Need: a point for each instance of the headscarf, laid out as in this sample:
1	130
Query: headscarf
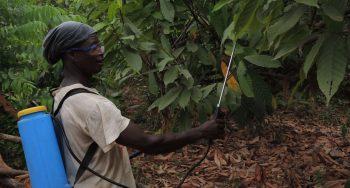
63	37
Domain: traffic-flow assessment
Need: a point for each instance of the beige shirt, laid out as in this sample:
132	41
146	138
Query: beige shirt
88	118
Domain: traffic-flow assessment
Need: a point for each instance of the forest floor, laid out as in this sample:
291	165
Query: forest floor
298	147
302	146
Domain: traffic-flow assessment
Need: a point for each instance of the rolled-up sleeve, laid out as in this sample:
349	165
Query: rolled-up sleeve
104	124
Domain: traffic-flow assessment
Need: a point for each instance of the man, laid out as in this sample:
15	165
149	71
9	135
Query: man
89	118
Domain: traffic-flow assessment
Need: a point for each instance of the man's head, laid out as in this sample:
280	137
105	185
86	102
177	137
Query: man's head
76	44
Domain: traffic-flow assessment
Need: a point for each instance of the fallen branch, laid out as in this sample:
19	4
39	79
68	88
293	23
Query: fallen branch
11	172
5	170
10	138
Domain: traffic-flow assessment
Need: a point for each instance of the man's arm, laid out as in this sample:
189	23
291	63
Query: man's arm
134	137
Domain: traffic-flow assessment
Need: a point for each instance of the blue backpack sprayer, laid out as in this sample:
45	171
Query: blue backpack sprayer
38	130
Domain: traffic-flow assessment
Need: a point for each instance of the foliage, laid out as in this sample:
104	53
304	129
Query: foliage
179	46
23	27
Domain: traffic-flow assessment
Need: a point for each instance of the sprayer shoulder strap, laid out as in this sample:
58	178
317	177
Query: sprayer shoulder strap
69	94
93	147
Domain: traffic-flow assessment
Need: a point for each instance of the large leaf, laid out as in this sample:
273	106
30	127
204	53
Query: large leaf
228	33
309	2
100	26
160	66
188	82
285	23
171	75
263	61
186	73
310	58
113	8
247	16
332	11
205	57
184	98
244	79
131	28
221	4
134	60
165	43
167	9
167	99
292	42
331	65
207	89
147	46
152	83
196	94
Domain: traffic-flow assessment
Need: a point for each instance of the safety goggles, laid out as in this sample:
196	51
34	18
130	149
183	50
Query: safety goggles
87	49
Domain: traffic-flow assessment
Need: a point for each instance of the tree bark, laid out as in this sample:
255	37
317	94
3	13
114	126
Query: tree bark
7	106
10	138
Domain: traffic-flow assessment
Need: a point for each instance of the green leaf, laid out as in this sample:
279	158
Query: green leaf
310	58
221	4
171	75
247	16
292	42
330	10
192	47
167	9
186	73
131	27
184	98
205	57
244	80
228	33
160	66
100	26
166	99
188	82
285	23
331	65
112	9
196	94
147	46
152	83
134	60
263	61
308	2
207	89
178	51
165	43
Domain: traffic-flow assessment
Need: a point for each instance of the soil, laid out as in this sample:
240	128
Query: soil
297	147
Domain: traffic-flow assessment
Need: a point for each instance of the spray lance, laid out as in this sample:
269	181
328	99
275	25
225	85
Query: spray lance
216	114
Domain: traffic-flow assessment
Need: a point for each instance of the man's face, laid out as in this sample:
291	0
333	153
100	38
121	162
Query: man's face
90	62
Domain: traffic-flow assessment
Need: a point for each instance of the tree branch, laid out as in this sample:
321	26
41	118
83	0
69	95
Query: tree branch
11	172
10	138
194	15
183	32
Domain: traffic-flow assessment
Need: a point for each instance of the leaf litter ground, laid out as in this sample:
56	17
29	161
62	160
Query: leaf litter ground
295	148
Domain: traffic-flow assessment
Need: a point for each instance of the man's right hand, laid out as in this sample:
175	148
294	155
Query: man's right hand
213	129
